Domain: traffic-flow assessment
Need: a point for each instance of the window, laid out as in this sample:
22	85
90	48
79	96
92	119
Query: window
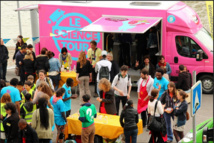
187	47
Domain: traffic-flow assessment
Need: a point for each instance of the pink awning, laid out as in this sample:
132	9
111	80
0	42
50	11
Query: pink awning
122	24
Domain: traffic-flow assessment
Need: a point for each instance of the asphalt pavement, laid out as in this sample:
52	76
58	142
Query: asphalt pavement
206	111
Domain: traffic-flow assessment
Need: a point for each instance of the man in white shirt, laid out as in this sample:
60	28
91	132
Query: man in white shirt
103	65
120	83
145	86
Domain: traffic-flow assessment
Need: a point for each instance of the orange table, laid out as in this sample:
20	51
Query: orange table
106	125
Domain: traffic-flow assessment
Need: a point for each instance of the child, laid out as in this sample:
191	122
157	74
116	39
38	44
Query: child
88	128
130	116
5	99
68	95
20	87
27	86
31	79
59	113
27	108
120	84
180	115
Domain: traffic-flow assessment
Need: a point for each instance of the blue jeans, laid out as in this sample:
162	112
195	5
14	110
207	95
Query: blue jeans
168	126
133	134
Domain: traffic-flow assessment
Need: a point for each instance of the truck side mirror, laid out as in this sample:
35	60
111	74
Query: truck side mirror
199	55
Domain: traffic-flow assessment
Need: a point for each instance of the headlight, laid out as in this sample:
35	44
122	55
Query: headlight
188	137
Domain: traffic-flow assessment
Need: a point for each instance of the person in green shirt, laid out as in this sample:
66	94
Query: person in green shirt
87	114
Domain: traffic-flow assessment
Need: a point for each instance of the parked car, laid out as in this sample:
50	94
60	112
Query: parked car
204	133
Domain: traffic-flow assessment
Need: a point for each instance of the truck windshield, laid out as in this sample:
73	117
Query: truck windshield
205	38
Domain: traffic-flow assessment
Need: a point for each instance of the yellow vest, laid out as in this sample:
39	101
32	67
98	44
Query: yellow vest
28	115
3	113
23	96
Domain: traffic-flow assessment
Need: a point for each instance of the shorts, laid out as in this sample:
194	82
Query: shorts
60	129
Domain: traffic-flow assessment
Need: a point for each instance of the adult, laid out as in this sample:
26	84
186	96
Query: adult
147	65
129	120
19	44
114	68
88	127
183	79
152	44
145	86
2	84
19	62
156	109
14	92
180	115
4	99
186	70
103	69
120	84
42	90
54	71
42	121
28	64
162	63
160	82
26	133
141	44
10	123
106	99
59	113
168	99
65	58
3	60
42	77
84	74
42	62
30	47
125	40
94	55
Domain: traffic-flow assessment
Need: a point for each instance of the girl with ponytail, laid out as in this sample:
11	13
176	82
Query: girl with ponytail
42	121
129	120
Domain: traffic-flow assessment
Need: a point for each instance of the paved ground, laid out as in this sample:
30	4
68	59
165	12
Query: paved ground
205	113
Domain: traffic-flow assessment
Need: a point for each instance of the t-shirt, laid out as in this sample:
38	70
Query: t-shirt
66	95
122	84
14	93
58	108
88	111
163	83
95	56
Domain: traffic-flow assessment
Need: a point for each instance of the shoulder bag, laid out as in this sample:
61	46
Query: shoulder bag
153	124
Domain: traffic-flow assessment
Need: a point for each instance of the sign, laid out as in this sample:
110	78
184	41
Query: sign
196	91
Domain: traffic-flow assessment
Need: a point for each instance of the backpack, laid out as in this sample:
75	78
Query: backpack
104	73
119	78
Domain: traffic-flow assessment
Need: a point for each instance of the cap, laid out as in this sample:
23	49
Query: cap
104	53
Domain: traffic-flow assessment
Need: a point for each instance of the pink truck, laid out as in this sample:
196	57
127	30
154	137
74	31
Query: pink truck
73	24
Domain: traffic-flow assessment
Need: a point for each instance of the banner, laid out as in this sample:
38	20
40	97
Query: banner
35	38
25	39
209	5
6	40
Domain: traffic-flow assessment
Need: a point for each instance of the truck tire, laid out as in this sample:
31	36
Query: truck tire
207	83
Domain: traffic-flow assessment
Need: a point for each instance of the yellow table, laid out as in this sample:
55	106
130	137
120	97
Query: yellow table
106	125
65	75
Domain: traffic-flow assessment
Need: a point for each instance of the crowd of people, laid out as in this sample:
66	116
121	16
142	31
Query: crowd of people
31	109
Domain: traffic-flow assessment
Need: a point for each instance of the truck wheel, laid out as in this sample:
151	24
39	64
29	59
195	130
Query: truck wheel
207	83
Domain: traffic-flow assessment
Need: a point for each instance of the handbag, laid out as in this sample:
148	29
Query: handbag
17	71
153	124
187	115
